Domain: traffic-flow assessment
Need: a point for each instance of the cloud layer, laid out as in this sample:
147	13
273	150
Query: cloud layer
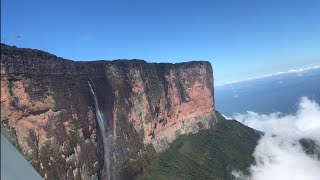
279	155
299	72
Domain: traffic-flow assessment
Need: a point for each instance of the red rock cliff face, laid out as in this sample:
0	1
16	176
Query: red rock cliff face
47	111
183	105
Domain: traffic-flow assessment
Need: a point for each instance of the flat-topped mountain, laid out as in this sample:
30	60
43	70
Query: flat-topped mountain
82	120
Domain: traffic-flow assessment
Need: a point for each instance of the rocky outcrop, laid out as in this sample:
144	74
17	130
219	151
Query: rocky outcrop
48	111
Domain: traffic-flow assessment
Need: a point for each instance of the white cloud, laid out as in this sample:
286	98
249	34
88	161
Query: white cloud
279	154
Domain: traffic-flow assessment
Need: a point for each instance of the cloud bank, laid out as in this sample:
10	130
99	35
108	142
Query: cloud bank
299	72
279	155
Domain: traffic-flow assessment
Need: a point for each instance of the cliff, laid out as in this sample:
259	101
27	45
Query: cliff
105	119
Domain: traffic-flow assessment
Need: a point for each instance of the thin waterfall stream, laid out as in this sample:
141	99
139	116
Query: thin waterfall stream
101	126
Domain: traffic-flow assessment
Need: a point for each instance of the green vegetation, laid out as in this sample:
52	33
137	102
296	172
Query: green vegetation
209	154
4	119
10	87
148	117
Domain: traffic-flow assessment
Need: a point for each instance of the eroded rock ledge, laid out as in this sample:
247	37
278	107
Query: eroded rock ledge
47	110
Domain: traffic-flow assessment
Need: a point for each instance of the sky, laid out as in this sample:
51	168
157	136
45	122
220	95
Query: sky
241	39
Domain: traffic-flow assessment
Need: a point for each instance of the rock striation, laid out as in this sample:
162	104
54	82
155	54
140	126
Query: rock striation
48	111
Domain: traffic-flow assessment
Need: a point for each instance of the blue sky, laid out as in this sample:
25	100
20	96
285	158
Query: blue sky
241	38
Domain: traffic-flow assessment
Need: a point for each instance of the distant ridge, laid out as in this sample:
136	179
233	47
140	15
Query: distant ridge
301	70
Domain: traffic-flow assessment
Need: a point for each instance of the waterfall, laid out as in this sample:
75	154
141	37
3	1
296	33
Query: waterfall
101	126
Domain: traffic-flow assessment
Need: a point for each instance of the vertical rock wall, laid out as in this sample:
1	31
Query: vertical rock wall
48	111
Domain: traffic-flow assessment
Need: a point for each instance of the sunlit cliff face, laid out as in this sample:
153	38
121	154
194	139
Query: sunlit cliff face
195	106
23	113
144	106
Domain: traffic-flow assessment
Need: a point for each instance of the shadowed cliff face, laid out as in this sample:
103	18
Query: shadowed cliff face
48	111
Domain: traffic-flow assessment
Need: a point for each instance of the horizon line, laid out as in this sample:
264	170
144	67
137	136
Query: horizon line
272	74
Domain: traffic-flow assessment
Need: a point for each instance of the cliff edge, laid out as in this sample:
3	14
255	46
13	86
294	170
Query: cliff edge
52	109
